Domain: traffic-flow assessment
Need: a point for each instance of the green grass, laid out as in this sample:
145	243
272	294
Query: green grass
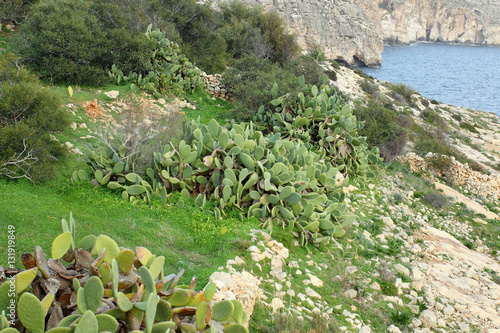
208	108
187	238
5	40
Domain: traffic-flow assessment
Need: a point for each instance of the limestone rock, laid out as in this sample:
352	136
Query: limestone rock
341	28
428	318
112	94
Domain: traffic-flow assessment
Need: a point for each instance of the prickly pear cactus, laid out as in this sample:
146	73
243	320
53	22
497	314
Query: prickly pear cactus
74	298
172	72
324	122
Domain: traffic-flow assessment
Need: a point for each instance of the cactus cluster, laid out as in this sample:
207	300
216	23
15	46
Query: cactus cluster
172	72
106	288
324	122
112	169
287	169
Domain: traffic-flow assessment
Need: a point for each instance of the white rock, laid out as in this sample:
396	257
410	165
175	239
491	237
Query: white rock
402	269
312	293
393	329
276	304
464	327
315	281
417	285
442	322
365	329
375	286
428	318
351	293
69	145
351	269
112	94
416	322
239	261
416	274
73	125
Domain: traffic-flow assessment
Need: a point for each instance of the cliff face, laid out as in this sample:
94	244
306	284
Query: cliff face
353	31
403	22
341	27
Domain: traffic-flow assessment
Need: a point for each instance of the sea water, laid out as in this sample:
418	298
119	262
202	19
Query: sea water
460	75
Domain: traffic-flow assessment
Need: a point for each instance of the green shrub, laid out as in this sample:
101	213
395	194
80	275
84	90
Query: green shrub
436	200
433	118
457	117
68	41
171	73
469	127
250	81
433	101
15	11
334	64
425	102
404	90
384	128
368	87
29	113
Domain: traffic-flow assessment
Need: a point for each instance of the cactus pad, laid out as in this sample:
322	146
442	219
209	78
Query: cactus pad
24	279
125	260
235	328
112	248
222	310
163	311
106	323
87	323
31	313
94	291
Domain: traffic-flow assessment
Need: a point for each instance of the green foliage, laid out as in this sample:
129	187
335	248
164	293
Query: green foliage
15	11
250	80
71	41
172	73
321	119
150	298
431	117
403	90
29	114
401	318
457	117
369	87
433	101
469	127
384	128
436	200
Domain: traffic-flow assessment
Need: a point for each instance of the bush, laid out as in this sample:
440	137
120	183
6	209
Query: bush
433	101
250	81
469	127
15	11
457	117
404	90
432	117
29	113
436	200
369	87
384	128
72	41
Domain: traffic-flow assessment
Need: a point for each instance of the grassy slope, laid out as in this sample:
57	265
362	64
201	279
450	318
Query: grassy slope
186	236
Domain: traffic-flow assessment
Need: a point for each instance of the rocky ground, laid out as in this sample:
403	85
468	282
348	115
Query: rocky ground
430	266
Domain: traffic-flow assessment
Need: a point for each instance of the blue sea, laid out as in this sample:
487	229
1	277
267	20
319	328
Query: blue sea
460	75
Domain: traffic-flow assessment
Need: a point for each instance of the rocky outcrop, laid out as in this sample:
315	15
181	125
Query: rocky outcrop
215	87
341	28
403	22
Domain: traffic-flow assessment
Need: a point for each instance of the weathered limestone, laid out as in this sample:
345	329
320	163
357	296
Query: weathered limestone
403	22
341	28
215	86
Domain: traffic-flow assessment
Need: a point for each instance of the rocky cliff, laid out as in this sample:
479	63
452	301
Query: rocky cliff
353	31
453	21
342	28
